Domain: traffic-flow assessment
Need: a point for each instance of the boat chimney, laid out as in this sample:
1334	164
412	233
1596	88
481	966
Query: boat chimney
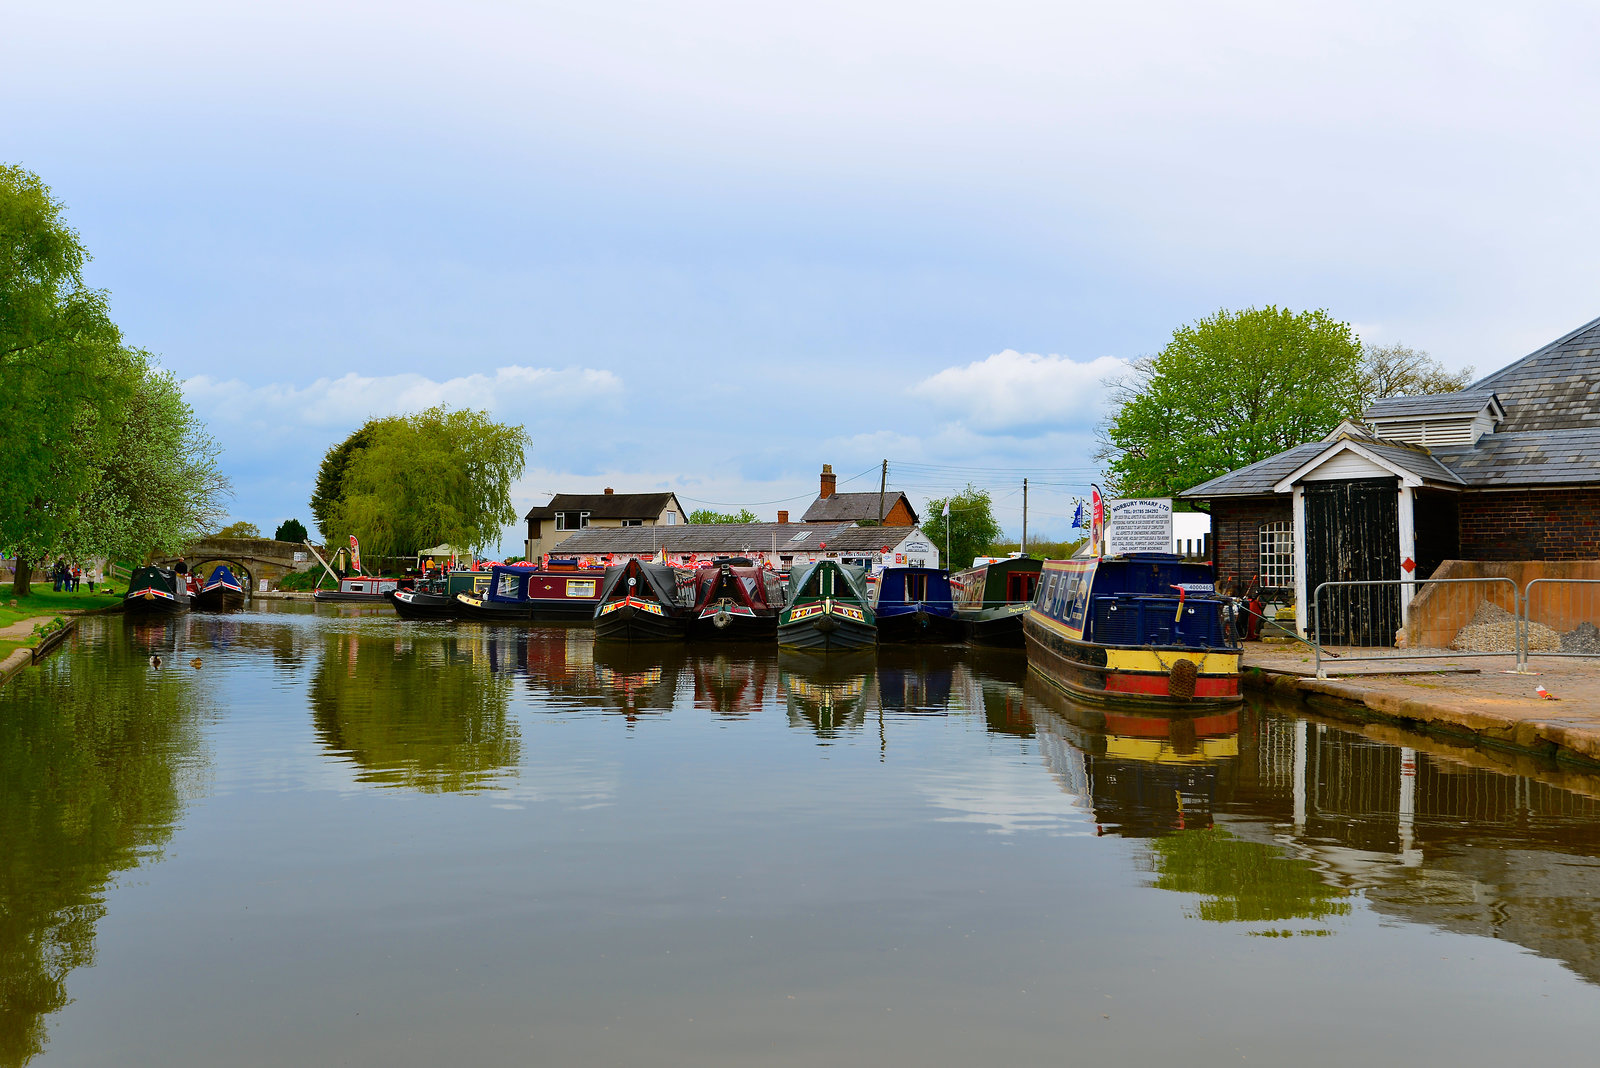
829	481
608	491
783	517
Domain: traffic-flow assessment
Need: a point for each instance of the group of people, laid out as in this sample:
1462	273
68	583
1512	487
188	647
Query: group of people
65	576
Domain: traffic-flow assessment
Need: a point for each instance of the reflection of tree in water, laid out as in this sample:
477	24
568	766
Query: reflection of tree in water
93	758
1240	881
826	692
430	717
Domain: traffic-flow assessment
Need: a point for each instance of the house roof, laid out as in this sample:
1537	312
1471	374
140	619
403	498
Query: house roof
1412	464
1556	387
1464	402
1530	458
841	507
1257	479
606	505
733	538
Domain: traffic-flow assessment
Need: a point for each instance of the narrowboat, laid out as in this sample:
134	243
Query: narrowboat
993	598
359	589
1142	630
827	610
435	598
158	591
734	601
519	594
220	592
639	602
915	606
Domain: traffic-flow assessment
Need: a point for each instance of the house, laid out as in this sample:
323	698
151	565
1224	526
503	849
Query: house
1505	472
549	525
890	508
782	544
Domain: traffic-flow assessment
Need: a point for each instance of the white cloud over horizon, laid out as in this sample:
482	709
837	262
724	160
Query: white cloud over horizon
1013	391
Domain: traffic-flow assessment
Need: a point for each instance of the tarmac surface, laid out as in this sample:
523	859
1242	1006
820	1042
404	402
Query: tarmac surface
1477	699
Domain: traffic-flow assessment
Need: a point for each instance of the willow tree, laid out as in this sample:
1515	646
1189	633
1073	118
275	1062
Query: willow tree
439	476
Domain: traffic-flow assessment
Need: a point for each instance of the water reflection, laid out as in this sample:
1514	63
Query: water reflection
427	715
826	694
98	752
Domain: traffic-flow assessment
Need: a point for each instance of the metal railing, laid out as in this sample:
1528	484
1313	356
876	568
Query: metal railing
1567	611
1371	611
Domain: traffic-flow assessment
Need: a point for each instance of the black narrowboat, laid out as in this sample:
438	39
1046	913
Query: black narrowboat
828	610
639	602
914	606
1145	629
993	598
158	591
435	598
734	601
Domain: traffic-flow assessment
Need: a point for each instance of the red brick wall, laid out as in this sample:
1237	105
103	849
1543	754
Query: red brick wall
1235	535
1531	525
899	515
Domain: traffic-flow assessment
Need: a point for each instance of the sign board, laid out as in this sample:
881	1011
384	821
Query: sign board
262	585
300	558
1142	525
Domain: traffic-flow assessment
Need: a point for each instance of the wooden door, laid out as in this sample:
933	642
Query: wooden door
1352	534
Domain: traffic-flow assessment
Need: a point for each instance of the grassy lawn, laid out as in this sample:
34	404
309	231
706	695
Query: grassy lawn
44	601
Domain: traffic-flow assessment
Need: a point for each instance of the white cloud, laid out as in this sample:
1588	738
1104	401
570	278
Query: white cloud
1013	391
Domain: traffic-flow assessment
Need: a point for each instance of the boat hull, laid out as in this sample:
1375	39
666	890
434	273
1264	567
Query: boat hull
998	628
827	631
482	610
631	621
338	597
1135	677
919	628
746	625
137	604
580	612
217	599
417	604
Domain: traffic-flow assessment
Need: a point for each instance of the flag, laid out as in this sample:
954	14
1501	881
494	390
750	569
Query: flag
355	555
1077	517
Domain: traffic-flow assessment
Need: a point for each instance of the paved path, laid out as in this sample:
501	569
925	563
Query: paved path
22	628
1489	706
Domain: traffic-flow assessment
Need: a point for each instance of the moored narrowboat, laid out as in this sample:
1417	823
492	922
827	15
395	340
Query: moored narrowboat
734	601
157	591
828	609
523	594
435	598
1145	629
359	589
914	605
639	602
221	592
993	598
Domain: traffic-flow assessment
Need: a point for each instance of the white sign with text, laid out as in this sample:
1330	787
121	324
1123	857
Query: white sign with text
1142	525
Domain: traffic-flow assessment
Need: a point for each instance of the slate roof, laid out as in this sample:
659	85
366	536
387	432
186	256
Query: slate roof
854	506
1423	463
1530	458
1554	388
1258	478
732	538
1465	402
606	505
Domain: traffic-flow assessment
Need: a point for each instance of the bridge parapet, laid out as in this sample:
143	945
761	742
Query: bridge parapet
253	558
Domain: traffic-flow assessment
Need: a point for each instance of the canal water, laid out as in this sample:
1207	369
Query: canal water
316	838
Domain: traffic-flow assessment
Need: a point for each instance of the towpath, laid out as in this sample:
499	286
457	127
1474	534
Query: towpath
1473	699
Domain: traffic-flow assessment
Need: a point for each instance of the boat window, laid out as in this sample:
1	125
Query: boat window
358	587
917	587
751	588
580	587
508	586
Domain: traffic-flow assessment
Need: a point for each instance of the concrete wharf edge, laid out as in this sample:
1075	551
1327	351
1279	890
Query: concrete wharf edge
1351	699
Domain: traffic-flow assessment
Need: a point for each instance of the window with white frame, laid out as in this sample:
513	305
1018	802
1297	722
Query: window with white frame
1277	555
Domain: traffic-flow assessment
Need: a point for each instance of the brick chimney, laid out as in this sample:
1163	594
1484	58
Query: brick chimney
783	517
829	481
608	491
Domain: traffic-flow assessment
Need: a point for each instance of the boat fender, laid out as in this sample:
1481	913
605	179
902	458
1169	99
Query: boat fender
1180	680
721	619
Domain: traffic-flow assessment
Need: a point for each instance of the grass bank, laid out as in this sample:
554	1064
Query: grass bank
44	601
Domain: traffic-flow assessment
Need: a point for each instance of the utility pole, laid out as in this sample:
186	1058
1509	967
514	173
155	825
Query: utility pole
883	486
1023	548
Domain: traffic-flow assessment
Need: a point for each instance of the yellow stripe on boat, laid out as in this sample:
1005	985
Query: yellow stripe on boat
1162	661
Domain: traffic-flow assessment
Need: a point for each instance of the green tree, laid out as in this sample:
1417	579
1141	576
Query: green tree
971	522
291	530
1227	391
330	477
241	529
1401	371
705	515
436	477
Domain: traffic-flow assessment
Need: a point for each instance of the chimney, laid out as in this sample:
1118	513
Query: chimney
608	491
829	481
783	517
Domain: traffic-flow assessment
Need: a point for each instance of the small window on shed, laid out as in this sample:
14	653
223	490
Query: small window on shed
1277	555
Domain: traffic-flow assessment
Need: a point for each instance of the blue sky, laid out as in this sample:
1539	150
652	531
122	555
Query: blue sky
712	246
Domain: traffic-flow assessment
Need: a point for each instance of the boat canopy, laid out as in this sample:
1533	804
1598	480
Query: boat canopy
222	576
808	581
654	582
746	585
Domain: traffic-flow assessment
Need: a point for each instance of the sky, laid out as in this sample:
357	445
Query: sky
709	247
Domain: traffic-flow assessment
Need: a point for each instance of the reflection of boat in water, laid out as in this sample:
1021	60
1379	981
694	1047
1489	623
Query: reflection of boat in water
827	610
733	687
158	591
734	601
638	681
1144	772
914	606
1144	629
221	591
639	603
827	694
992	599
912	678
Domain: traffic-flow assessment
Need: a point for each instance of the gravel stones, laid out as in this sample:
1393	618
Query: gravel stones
1584	638
1494	630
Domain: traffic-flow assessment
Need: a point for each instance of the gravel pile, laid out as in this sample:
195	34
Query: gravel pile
1494	630
1584	638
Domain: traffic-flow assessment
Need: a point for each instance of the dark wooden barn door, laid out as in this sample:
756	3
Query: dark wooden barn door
1353	533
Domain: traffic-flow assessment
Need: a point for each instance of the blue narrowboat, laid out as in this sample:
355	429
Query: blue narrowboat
528	595
915	606
221	591
1145	629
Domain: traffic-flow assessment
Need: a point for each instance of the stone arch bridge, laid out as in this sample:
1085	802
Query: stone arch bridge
250	558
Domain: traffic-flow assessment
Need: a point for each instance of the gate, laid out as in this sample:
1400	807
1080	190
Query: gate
1353	536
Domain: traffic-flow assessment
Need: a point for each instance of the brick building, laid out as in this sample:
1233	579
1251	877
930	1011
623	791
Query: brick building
891	506
567	513
1507	469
